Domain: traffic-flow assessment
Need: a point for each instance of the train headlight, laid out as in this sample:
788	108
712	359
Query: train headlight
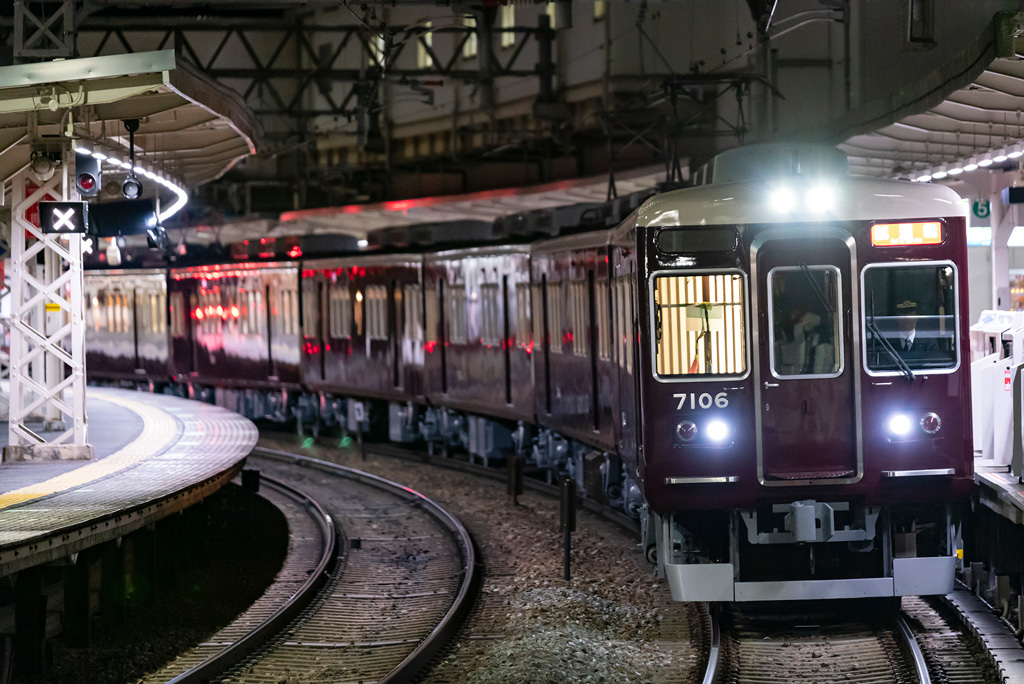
899	425
931	423
783	200
718	431
820	199
686	431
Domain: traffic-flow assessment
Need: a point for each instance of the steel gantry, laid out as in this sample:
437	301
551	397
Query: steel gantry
194	131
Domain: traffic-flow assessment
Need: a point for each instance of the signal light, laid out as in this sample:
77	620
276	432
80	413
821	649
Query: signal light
131	188
87	174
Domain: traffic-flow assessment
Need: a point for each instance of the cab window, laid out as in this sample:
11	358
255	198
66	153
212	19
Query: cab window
805	324
910	317
699	325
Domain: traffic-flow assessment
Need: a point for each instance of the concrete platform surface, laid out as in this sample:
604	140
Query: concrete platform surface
156	455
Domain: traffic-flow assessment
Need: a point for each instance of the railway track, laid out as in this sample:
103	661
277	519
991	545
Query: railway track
843	643
402	577
613	620
921	644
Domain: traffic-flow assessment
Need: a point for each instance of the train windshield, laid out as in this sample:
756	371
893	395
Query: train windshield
910	317
699	325
805	321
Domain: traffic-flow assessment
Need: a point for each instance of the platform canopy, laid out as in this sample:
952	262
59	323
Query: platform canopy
967	112
191	129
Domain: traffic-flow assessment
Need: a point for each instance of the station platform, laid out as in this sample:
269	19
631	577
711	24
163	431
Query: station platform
154	455
1001	492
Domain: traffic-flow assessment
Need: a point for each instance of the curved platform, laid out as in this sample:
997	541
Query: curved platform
1001	492
155	455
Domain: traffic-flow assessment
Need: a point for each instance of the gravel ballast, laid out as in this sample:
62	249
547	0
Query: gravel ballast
612	622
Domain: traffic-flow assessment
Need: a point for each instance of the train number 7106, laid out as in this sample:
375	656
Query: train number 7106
704	401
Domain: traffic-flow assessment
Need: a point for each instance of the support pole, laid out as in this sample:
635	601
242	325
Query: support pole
568	519
47	371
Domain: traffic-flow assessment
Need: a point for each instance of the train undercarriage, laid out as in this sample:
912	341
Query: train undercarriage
807	550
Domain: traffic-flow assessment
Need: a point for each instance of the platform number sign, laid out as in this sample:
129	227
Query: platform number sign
982	208
64	218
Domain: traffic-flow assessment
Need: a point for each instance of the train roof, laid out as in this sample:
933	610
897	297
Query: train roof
838	198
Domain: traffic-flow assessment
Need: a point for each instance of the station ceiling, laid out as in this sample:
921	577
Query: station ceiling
977	121
195	130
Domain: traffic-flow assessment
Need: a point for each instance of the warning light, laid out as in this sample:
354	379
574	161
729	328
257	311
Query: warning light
86	181
906	234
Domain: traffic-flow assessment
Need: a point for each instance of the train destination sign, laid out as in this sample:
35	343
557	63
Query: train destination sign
63	217
902	234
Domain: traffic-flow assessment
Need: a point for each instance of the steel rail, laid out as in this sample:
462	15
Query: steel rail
612	515
259	635
452	620
920	666
715	648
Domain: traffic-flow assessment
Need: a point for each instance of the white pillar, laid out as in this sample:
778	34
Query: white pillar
47	371
1003	221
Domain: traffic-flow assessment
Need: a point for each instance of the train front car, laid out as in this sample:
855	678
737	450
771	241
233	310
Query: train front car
805	397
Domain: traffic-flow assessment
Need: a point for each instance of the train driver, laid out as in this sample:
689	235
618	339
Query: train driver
907	340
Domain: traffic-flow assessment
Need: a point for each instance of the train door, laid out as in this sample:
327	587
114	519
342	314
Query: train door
506	339
321	326
397	328
271	331
808	422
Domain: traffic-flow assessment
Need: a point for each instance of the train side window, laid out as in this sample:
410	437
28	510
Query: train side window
629	310
340	314
371	311
158	312
489	332
603	321
910	317
522	332
699	327
805	325
97	313
413	313
357	313
177	314
457	327
376	312
537	311
556	305
285	312
578	317
310	315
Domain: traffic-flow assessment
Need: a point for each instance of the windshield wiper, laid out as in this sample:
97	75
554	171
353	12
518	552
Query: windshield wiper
817	290
884	343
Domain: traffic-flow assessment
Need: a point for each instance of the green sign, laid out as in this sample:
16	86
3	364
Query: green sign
982	208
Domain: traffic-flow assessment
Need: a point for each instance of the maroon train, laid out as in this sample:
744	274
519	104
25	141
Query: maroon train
768	368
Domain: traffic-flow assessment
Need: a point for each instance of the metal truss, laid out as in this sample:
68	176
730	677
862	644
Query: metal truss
47	365
702	92
44	30
289	76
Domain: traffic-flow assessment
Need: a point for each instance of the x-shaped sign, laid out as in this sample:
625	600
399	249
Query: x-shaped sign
62	219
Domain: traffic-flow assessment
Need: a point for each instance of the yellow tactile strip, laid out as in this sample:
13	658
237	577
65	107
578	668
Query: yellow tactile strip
158	429
211	446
